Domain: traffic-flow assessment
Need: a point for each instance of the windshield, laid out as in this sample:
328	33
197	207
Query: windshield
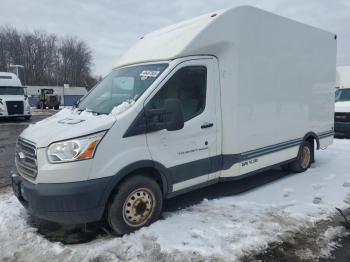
11	90
121	85
342	95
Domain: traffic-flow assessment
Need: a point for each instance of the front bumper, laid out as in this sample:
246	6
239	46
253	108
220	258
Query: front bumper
68	203
5	114
342	128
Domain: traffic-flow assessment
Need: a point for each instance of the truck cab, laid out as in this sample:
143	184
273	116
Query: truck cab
13	98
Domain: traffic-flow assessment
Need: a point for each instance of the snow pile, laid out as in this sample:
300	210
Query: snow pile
117	110
226	228
329	238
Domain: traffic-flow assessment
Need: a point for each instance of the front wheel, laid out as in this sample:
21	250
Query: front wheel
137	203
303	162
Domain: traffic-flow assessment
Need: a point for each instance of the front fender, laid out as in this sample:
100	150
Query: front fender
115	179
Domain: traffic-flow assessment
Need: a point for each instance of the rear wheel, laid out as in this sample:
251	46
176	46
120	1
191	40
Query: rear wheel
57	107
137	203
304	159
27	117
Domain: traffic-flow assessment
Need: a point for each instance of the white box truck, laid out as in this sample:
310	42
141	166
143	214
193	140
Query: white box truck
217	98
13	98
342	102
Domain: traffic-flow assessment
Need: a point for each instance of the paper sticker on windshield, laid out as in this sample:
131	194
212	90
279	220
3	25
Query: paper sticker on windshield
146	74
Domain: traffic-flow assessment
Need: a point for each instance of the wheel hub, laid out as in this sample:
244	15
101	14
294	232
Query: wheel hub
138	207
305	157
141	208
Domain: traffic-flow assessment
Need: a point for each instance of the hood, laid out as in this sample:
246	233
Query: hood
342	107
66	124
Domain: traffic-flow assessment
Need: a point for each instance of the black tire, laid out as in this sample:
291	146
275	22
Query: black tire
304	160
56	107
38	106
50	107
136	195
27	118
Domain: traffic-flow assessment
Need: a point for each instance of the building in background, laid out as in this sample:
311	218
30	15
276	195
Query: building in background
69	95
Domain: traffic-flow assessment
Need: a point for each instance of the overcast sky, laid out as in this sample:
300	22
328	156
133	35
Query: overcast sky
110	26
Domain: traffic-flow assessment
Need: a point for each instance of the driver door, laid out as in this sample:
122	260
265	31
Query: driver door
187	153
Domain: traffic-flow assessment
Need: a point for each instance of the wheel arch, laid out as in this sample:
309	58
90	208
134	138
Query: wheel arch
146	167
311	137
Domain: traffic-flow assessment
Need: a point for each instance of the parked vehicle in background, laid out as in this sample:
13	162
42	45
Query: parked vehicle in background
13	98
48	99
342	112
342	102
216	98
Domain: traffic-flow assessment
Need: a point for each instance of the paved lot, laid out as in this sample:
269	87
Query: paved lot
9	132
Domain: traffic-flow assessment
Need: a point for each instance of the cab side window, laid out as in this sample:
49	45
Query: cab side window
188	85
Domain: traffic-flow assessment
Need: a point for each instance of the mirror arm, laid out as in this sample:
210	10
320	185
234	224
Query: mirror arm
155	126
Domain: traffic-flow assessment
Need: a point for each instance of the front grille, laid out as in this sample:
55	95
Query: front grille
342	117
14	107
26	159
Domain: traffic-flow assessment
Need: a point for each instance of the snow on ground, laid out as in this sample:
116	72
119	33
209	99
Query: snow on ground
329	235
221	229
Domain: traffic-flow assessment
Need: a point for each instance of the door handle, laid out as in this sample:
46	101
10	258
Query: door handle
207	125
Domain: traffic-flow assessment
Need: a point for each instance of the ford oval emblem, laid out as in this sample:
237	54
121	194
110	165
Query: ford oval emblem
21	155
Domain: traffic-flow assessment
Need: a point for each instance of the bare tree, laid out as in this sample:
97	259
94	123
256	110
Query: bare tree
47	60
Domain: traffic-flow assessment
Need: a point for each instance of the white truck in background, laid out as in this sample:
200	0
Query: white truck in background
213	99
13	98
342	102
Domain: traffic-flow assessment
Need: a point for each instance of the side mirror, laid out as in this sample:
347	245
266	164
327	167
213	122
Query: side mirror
169	117
173	115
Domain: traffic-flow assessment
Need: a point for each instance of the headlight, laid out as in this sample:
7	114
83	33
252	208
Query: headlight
75	149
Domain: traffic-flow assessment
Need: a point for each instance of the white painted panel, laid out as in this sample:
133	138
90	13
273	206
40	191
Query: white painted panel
325	142
190	182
